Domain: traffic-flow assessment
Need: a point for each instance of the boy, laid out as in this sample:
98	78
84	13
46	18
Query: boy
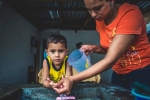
55	65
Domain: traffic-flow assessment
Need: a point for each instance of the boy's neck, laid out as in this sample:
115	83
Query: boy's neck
57	67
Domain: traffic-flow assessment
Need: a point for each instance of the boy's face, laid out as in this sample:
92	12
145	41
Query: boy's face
57	52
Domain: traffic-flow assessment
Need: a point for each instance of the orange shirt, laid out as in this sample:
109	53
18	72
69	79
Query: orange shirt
129	20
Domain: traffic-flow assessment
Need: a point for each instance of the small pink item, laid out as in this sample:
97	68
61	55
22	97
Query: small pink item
66	98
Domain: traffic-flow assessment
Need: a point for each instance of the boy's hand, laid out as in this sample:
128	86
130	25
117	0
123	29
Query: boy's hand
53	84
50	82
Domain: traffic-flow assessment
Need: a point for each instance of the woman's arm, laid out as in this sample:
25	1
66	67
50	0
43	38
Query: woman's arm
119	45
45	77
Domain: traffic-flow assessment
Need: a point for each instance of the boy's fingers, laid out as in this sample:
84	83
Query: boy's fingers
57	85
52	83
47	78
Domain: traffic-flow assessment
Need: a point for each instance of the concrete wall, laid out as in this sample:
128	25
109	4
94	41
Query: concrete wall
87	37
15	56
47	32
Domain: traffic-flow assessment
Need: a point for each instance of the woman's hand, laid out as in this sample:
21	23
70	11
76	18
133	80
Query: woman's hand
93	49
64	85
87	49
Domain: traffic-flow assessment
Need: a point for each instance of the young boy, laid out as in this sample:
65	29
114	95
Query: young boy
55	65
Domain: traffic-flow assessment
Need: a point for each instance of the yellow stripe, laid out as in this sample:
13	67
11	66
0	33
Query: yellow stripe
133	48
114	32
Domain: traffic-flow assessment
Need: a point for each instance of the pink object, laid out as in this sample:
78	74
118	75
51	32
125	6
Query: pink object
66	98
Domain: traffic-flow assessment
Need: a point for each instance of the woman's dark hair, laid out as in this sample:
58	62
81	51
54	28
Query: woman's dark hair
56	38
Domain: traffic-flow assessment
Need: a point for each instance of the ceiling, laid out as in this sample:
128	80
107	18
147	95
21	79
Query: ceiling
64	14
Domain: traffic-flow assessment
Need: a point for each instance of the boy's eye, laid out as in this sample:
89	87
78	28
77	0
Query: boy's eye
60	51
52	51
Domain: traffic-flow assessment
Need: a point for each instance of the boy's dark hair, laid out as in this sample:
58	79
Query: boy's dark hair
78	45
56	38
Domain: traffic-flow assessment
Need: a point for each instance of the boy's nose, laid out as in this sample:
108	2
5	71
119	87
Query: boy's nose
56	54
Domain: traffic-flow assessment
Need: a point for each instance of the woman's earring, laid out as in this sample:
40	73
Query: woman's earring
111	4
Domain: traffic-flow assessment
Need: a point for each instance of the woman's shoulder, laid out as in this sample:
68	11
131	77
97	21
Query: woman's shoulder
127	7
128	11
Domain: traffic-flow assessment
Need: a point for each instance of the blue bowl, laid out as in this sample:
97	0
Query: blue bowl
139	96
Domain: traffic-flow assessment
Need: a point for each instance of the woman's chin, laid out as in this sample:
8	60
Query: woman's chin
99	19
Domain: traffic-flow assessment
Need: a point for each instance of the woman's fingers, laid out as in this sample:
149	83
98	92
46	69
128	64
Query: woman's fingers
87	49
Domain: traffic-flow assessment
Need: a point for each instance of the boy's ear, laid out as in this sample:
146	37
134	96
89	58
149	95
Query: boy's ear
67	50
46	51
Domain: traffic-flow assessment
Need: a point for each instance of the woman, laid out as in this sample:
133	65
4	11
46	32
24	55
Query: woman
122	31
